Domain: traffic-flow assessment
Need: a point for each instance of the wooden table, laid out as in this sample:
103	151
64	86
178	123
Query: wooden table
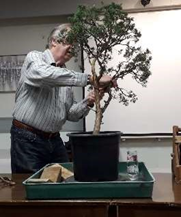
166	201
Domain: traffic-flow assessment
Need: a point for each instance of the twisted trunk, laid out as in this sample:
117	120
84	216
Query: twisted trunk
98	118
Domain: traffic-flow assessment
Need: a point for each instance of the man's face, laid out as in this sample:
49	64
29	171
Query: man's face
63	53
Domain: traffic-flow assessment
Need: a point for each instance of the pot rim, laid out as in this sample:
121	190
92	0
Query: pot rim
90	134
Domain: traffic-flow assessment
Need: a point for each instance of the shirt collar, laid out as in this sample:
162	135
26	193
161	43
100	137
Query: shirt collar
49	57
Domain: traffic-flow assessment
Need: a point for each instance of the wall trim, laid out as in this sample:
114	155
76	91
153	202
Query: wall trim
154	9
56	18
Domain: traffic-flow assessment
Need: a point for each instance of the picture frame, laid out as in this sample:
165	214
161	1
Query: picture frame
10	70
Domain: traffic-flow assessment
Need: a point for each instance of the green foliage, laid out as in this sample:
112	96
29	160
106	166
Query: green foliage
101	32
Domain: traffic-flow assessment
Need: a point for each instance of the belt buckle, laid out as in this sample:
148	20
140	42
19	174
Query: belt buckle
50	135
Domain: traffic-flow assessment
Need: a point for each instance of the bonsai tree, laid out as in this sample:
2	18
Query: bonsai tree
100	32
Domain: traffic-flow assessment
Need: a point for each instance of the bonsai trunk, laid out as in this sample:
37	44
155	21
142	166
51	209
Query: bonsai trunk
98	118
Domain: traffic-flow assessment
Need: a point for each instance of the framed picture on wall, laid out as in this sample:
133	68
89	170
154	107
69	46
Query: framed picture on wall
10	68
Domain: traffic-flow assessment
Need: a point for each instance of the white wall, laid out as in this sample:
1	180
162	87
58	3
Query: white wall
154	152
158	106
4	153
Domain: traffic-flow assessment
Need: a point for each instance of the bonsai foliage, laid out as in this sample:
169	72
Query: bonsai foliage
101	32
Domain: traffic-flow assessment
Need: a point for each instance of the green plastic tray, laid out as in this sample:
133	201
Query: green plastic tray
71	189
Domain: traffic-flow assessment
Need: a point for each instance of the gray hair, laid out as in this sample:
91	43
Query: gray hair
58	34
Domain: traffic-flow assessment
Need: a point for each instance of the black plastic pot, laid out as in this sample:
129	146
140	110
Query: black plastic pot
95	157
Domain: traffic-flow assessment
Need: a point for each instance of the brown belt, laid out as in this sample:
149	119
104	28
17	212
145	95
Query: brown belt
34	130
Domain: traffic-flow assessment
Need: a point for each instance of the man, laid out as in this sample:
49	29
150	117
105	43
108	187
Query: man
43	102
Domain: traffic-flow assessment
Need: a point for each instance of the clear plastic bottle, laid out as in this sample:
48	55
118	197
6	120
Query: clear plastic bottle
132	165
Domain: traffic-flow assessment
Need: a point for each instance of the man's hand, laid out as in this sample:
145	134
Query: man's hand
91	97
107	81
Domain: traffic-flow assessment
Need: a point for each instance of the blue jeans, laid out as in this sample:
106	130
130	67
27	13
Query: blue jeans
30	152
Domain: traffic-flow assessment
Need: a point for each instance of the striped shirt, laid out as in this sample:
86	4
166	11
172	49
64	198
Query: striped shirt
44	97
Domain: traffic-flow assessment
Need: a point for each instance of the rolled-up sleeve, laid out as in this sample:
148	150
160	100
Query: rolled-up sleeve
78	111
75	110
